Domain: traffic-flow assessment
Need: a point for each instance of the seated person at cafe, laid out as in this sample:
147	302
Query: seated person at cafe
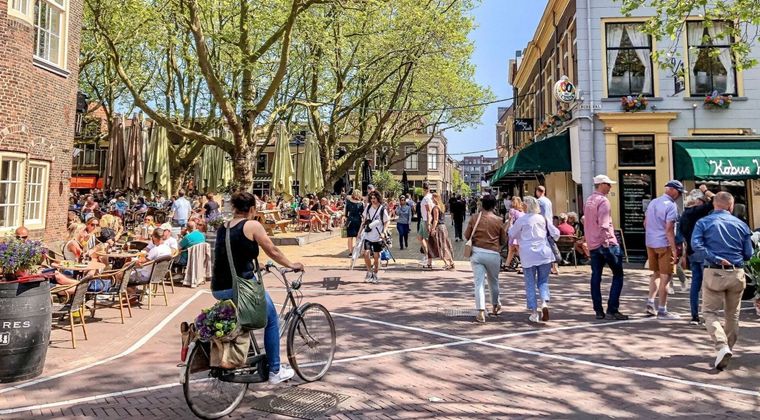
73	249
114	223
192	237
145	229
167	239
91	228
581	246
565	228
106	239
22	234
141	275
318	212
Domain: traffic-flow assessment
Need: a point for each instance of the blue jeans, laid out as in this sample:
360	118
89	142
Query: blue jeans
612	257
485	264
403	235
271	331
696	285
536	276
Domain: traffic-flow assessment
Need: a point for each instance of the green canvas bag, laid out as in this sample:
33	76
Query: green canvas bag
248	295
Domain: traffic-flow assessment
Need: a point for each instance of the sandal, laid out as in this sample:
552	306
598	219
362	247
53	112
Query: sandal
449	267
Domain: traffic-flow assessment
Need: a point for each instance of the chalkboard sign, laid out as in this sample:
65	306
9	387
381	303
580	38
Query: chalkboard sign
621	241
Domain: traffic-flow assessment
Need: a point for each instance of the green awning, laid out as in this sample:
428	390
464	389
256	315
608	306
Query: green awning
549	155
704	160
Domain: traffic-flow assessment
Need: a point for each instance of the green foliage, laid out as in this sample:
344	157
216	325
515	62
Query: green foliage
386	183
458	185
669	17
418	192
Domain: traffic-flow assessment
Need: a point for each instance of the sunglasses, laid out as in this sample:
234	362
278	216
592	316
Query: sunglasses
22	238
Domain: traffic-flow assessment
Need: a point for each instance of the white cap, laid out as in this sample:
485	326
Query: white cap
166	226
603	179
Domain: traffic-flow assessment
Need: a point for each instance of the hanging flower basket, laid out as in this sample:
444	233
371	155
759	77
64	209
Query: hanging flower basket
716	101
634	104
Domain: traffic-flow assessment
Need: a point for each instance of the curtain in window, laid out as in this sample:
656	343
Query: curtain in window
638	40
614	36
725	55
694	35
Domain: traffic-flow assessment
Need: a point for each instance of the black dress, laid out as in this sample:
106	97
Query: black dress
354	213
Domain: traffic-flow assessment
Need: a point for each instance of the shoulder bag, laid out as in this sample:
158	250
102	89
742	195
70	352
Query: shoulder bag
552	243
468	244
248	295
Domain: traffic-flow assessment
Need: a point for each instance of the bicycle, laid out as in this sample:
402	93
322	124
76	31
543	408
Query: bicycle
211	392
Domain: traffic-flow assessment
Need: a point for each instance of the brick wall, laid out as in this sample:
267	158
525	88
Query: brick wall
37	108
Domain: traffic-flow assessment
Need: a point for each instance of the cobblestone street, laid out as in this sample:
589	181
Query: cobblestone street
408	348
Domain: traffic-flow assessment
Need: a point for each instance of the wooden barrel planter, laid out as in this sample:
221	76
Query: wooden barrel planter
25	323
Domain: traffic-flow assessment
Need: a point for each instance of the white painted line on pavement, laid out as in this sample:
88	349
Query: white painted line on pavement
86	399
141	342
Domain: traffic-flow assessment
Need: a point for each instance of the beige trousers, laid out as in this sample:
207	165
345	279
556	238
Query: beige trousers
722	289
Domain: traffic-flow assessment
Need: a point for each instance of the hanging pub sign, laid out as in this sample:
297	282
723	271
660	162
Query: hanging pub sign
523	124
679	80
564	90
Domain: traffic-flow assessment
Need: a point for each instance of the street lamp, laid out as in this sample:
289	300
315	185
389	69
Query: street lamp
298	140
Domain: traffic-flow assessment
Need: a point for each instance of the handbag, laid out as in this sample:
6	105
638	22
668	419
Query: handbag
248	295
552	244
468	244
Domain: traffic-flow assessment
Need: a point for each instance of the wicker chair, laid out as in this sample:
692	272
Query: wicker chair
74	308
117	292
157	275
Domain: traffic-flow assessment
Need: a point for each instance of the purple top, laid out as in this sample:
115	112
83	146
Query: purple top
659	212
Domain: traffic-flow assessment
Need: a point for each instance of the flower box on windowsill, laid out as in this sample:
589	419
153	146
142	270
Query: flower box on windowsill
634	104
716	101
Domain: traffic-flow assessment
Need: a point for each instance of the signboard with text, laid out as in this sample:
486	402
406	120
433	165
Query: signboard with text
523	124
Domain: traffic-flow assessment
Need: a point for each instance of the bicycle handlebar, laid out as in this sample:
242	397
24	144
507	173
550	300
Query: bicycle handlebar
270	265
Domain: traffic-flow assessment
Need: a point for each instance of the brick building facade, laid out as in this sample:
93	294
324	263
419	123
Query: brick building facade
39	55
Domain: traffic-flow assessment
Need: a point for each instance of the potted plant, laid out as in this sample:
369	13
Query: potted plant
634	104
18	258
753	270
717	101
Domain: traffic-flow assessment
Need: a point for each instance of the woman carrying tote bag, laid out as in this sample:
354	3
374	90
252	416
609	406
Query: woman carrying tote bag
243	236
485	232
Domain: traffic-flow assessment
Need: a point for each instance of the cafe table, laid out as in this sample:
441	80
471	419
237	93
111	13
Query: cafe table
271	219
91	265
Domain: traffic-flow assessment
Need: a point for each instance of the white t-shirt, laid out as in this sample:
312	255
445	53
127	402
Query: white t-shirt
172	243
371	215
426	206
156	252
182	209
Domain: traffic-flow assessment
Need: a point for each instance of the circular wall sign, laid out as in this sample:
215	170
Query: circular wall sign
564	90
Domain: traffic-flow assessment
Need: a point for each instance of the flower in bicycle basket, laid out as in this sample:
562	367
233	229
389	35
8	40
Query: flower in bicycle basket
216	321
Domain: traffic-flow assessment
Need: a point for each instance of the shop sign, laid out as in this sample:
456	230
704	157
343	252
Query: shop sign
523	124
564	90
727	168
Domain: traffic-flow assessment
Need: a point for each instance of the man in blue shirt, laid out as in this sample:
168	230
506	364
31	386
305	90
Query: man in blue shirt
723	242
660	228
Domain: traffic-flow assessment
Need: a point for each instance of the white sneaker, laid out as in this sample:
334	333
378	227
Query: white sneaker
374	278
368	277
724	356
284	374
671	290
534	317
667	316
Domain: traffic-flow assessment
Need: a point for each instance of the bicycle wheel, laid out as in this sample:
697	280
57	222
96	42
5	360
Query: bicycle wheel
311	342
206	395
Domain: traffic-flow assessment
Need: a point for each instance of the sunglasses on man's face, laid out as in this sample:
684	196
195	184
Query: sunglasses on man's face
21	238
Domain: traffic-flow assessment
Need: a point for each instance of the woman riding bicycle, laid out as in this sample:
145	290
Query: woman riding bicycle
246	236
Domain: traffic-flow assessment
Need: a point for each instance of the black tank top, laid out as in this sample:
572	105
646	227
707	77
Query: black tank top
244	251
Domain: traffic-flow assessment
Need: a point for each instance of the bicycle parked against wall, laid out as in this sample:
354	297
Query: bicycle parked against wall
214	392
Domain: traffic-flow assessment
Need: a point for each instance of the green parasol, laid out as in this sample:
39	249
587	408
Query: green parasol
282	167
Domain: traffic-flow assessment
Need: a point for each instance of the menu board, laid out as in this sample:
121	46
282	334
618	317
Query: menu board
636	191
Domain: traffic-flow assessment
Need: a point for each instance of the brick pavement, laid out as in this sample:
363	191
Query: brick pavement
399	356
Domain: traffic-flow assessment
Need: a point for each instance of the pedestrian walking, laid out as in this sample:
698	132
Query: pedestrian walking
439	245
486	231
536	256
547	211
697	204
354	210
402	223
604	249
517	210
375	224
458	210
423	232
660	235
724	244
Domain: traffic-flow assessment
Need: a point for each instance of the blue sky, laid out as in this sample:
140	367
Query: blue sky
503	26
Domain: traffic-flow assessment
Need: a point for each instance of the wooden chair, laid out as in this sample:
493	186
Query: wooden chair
74	308
566	246
157	278
117	292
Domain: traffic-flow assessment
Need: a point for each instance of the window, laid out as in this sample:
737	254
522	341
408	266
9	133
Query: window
629	61
21	6
432	158
36	186
49	31
261	164
411	158
636	150
711	63
22	200
261	188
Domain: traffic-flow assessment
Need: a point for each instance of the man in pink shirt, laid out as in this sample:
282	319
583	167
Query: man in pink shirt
604	248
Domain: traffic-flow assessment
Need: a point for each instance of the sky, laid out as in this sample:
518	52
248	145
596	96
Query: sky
503	27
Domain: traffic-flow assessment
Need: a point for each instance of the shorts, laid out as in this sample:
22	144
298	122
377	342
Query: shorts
660	260
422	230
373	246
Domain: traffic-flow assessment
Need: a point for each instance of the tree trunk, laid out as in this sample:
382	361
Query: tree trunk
241	164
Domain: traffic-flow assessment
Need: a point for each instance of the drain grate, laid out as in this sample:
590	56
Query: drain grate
457	312
299	403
